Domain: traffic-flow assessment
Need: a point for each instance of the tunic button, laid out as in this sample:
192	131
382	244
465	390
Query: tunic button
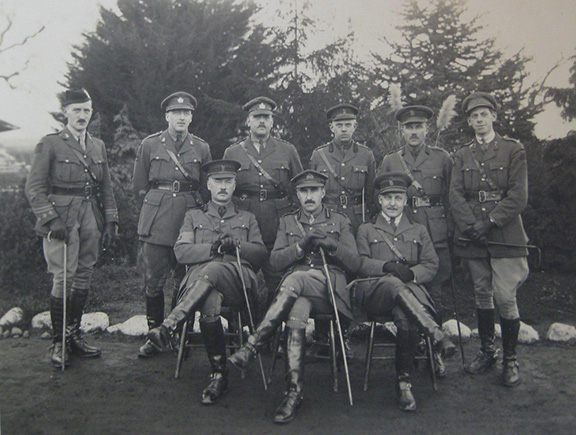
177	168
343	164
261	186
85	170
395	239
415	211
221	221
343	193
342	178
260	173
483	208
174	195
481	164
344	207
259	161
85	156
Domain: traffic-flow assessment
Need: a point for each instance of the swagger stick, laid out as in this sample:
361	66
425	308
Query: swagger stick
250	318
342	345
64	320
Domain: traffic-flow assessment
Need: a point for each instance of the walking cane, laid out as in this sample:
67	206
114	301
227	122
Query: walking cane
339	328
363	206
64	322
456	313
250	318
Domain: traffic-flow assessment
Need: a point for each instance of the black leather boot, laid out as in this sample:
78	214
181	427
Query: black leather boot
294	376
405	350
187	305
57	317
510	372
154	317
488	353
76	339
418	314
213	337
275	314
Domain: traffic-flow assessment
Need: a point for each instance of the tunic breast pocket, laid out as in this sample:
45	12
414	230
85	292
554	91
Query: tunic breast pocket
432	181
243	174
410	247
96	166
240	230
204	233
161	167
377	249
359	174
69	170
192	164
471	177
499	173
281	171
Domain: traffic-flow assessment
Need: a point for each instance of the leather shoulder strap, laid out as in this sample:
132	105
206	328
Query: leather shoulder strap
332	171
264	173
391	245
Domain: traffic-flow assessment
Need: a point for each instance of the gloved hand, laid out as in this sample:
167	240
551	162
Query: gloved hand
58	230
110	233
327	243
228	244
306	243
399	270
478	230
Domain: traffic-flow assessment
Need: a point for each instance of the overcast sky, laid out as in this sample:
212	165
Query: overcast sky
546	29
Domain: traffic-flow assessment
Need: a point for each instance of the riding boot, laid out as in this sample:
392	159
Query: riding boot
418	314
154	317
273	317
488	353
405	351
78	344
294	376
510	372
188	303
214	341
57	316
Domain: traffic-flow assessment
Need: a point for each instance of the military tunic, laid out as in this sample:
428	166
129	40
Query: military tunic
74	184
492	185
354	167
414	243
344	260
429	205
201	228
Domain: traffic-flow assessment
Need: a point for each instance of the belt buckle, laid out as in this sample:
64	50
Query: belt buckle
87	191
263	195
175	186
343	200
482	196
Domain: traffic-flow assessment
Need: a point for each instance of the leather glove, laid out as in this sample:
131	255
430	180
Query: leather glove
482	227
228	244
58	231
327	243
306	243
399	270
110	233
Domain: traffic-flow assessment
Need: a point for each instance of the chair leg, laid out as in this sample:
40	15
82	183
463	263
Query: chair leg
369	354
430	355
275	350
333	357
181	349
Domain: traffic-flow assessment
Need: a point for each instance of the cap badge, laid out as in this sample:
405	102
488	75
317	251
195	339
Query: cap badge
390	183
412	113
262	106
180	100
345	112
310	176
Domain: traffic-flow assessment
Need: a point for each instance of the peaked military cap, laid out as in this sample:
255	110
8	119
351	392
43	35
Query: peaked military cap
342	112
179	101
221	168
260	106
479	99
309	178
392	182
414	114
74	96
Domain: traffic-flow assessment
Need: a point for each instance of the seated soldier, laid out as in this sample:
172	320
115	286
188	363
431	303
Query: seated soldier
304	286
400	253
207	244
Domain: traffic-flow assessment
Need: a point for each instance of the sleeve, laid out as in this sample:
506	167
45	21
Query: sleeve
37	183
346	253
109	202
283	255
187	251
140	182
516	197
368	266
460	209
254	250
428	261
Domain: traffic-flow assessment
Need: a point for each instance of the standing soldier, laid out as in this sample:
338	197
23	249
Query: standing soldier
304	287
429	168
207	243
166	182
489	190
70	192
398	258
263	181
350	167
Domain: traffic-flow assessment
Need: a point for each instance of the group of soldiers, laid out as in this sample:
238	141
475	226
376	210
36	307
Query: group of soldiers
380	238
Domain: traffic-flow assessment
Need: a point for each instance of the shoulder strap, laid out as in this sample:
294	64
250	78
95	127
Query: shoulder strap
333	171
264	173
415	182
483	173
178	164
391	245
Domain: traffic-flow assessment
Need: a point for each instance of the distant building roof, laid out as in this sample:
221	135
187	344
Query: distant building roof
6	126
